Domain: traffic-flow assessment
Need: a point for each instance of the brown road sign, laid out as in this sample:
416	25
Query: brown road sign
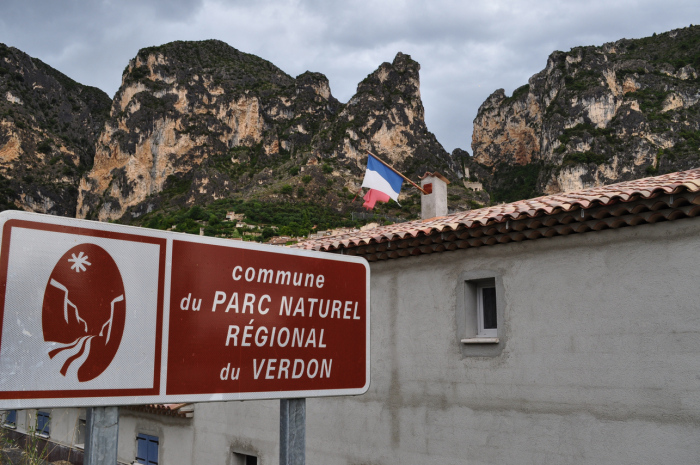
103	314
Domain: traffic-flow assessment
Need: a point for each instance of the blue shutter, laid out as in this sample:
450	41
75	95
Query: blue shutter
11	418
141	449
147	449
152	451
43	423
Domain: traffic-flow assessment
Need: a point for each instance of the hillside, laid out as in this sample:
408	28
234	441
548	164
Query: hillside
593	116
49	125
196	122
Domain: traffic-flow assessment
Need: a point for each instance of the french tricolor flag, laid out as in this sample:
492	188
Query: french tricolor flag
383	183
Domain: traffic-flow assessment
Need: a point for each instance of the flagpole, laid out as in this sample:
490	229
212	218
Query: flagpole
394	170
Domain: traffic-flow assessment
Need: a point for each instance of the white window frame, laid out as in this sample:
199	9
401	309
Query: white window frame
481	331
471	337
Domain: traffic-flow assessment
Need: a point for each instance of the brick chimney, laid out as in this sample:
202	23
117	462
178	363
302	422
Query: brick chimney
435	202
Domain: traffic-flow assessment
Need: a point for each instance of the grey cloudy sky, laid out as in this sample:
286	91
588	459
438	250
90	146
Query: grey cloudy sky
467	49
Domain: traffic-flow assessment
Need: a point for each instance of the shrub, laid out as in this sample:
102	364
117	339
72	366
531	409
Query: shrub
306	179
517	93
287	189
197	213
515	182
584	158
44	146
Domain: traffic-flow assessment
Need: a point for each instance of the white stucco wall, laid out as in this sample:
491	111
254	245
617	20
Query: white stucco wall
175	435
601	363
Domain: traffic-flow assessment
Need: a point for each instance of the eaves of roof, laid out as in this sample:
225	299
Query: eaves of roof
648	200
170	410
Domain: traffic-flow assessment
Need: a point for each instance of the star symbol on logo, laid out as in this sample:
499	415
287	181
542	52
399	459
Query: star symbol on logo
79	262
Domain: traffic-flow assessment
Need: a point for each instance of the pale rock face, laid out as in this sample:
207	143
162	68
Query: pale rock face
351	152
602	109
323	90
630	85
11	150
672	102
512	130
245	119
686	72
12	98
393	142
129	93
146	170
181	105
573	59
569	179
611	81
41	204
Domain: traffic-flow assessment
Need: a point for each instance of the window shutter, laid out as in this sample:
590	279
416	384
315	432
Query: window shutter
147	449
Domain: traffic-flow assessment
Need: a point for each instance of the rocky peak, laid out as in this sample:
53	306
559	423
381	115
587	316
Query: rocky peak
594	115
48	128
197	121
386	117
315	86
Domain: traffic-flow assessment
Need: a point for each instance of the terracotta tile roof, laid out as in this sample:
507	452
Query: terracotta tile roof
648	200
170	410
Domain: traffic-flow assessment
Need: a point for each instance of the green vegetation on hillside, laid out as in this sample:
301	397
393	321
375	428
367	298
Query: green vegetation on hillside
515	182
289	219
677	48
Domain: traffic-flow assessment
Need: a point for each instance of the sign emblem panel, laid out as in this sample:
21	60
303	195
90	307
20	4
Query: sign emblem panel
84	310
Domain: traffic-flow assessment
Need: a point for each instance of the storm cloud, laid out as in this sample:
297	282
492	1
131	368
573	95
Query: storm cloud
466	49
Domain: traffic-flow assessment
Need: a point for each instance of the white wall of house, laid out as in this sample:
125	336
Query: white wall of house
175	435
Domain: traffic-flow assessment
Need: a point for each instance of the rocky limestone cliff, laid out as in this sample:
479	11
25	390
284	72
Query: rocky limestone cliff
197	121
594	115
48	128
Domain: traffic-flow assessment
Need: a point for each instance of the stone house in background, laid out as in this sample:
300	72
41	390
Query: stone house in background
558	330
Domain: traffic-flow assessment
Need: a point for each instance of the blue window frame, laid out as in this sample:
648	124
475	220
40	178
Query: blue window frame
43	423
11	418
147	449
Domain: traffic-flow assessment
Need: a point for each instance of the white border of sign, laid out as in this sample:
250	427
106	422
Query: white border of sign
169	237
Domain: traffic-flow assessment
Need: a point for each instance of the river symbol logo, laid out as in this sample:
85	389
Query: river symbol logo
84	311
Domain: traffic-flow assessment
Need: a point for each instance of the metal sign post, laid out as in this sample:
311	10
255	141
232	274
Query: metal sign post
101	435
292	431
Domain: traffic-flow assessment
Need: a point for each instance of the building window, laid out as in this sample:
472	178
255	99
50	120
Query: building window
43	423
244	459
80	434
11	418
480	314
147	449
486	315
